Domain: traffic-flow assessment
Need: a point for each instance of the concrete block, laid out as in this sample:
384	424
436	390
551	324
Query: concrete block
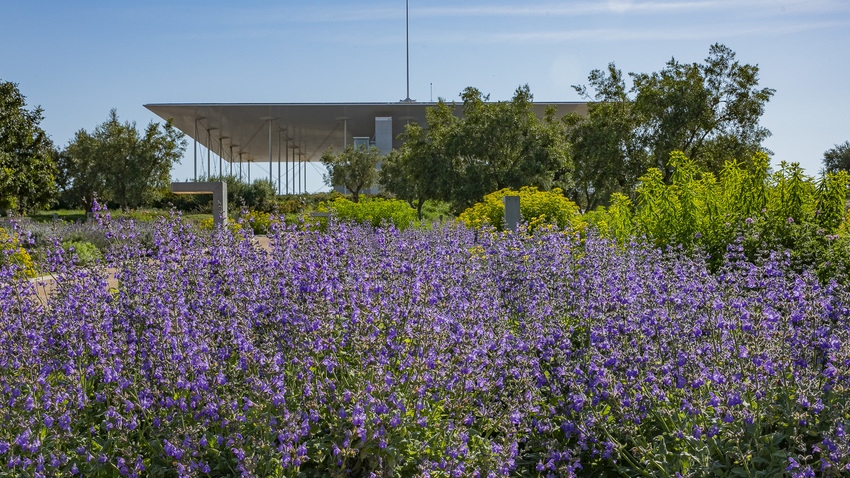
512	216
217	189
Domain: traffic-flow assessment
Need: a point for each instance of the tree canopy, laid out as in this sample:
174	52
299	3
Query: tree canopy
710	111
492	146
838	158
118	163
419	171
353	169
27	156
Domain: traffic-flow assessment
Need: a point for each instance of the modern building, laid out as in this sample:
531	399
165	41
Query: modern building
287	136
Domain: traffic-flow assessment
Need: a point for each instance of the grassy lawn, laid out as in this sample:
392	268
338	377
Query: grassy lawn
148	214
72	215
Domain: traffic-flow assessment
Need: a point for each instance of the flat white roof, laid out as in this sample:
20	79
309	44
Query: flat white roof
309	127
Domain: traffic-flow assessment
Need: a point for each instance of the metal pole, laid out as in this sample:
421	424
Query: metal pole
270	152
240	166
249	172
344	133
278	162
195	137
230	163
209	144
220	159
407	43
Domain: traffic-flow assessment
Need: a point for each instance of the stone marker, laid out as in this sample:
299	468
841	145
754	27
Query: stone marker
511	212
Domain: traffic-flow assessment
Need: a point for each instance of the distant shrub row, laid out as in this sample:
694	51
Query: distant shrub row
748	208
376	211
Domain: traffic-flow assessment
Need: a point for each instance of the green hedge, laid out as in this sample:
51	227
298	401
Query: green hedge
375	211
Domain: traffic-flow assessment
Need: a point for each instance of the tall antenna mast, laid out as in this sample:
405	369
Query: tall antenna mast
407	44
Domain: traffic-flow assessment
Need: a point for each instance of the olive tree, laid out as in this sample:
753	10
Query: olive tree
354	168
117	162
27	156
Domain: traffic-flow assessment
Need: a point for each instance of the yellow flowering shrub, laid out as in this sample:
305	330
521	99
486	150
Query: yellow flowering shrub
258	221
538	209
11	252
372	211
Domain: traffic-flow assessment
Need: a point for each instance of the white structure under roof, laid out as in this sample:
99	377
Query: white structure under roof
292	134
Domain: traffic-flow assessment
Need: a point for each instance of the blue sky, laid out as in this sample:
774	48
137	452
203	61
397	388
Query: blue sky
80	59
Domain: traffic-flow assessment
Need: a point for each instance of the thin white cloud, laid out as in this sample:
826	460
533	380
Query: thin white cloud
702	32
561	10
630	6
320	13
716	19
705	31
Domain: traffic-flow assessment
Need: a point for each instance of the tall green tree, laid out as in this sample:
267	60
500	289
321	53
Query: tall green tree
354	168
491	146
27	156
838	158
710	111
504	145
420	170
118	163
607	156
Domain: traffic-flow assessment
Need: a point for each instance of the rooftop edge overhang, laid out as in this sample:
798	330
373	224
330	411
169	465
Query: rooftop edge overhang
257	132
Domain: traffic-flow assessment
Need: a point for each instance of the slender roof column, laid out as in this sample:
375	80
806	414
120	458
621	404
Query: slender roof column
221	155
271	180
209	143
195	139
278	162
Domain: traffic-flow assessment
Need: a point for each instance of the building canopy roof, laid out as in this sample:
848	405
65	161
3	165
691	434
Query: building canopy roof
261	131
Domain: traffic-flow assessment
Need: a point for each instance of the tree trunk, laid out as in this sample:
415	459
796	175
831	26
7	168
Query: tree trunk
419	203
88	202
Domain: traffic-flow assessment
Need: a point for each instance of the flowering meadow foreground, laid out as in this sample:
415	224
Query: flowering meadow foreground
431	352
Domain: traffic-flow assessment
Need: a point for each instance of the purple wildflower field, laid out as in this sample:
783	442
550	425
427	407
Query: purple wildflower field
448	351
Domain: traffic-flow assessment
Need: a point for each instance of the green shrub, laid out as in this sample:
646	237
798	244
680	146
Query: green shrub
373	211
537	208
258	221
615	221
86	253
434	210
786	210
142	214
261	196
302	203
